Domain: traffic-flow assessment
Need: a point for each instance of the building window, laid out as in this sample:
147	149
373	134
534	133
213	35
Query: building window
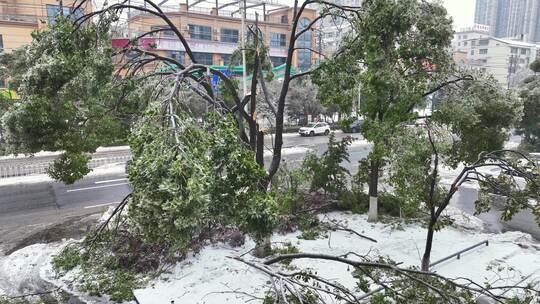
226	58
483	42
166	31
472	52
464	36
483	70
277	61
229	35
523	51
513	50
55	10
250	37
200	32
285	19
473	43
204	58
465	43
483	51
278	39
176	55
303	56
459	37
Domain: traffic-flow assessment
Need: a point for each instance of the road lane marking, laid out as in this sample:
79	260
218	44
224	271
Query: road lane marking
96	187
101	205
111	181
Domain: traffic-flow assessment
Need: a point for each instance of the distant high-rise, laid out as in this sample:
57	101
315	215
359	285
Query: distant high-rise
516	19
486	12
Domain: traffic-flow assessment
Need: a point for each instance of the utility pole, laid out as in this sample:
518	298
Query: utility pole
61	8
511	68
320	45
243	46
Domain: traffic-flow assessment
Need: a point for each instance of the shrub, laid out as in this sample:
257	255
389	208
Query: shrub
327	172
355	201
67	259
289	186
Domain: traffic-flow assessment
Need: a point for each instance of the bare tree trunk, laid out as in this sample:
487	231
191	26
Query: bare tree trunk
373	191
429	243
259	156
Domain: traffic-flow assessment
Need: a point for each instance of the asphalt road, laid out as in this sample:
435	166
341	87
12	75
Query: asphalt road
28	204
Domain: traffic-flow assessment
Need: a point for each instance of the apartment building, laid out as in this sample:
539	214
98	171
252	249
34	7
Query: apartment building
515	19
19	18
463	37
505	59
213	33
333	29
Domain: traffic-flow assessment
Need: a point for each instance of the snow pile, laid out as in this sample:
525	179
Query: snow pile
463	220
290	151
20	272
213	277
357	142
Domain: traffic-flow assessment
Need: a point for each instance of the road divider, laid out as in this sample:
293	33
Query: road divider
111	181
101	205
96	187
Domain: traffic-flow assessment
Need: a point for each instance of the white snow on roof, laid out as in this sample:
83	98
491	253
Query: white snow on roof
515	42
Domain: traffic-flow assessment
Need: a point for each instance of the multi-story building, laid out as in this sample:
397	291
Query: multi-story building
214	33
462	38
332	29
515	19
504	59
19	18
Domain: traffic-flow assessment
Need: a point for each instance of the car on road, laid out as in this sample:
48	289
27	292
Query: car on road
354	127
315	128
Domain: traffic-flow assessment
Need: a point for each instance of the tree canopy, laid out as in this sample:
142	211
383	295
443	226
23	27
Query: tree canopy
68	101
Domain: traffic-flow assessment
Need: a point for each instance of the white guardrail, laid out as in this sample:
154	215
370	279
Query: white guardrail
17	166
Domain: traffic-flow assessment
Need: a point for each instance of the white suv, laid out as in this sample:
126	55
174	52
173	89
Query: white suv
315	128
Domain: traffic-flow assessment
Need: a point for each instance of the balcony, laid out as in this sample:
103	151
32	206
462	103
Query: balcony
203	46
193	11
18	18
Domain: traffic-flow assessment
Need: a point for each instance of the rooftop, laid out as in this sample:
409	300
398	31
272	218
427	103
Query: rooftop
223	8
514	42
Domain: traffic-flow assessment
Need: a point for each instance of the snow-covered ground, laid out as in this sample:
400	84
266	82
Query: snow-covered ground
204	277
211	275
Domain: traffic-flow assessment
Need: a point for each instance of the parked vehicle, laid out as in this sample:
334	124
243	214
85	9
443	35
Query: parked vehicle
354	127
315	128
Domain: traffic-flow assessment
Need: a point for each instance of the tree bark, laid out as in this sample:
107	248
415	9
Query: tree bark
373	191
259	156
429	243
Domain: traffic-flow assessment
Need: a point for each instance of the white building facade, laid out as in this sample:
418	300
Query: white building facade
332	30
507	60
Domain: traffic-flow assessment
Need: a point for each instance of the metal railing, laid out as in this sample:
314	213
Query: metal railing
38	165
457	254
